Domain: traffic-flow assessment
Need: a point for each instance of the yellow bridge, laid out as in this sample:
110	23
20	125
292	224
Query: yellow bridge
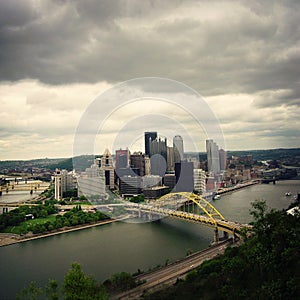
190	207
29	186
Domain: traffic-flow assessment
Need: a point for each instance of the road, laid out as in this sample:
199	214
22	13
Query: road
169	274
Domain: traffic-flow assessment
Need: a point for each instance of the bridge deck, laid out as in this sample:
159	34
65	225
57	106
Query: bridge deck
224	225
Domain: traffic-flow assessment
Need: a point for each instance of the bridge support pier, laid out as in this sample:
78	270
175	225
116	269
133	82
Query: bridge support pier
216	235
150	217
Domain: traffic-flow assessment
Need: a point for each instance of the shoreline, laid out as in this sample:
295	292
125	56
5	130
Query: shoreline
7	239
237	187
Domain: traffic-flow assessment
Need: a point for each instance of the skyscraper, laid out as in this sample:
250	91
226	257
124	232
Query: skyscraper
122	159
170	156
149	136
137	161
213	161
158	156
106	165
184	172
223	159
178	148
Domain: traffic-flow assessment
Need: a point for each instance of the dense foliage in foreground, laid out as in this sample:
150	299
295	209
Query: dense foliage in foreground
266	266
78	286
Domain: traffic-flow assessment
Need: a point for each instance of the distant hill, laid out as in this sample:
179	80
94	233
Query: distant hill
83	161
269	154
80	163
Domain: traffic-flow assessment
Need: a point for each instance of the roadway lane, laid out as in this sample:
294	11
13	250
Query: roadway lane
170	273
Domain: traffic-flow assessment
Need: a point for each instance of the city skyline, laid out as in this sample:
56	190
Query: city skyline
243	58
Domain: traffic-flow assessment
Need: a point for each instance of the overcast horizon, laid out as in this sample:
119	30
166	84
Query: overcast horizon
56	56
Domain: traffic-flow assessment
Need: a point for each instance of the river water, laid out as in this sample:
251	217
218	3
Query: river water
121	246
19	196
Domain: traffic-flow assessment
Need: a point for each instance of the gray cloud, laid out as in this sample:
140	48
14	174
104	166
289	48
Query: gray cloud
218	48
253	48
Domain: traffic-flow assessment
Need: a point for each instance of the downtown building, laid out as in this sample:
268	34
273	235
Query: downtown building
213	159
130	186
149	137
223	159
158	156
63	181
184	173
122	158
105	164
178	151
199	181
140	161
91	184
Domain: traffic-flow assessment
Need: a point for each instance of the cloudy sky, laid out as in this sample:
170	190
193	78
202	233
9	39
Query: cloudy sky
56	56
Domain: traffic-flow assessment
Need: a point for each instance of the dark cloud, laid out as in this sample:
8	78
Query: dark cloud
16	13
254	47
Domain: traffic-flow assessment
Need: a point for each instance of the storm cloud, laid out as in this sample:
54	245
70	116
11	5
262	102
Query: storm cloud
223	49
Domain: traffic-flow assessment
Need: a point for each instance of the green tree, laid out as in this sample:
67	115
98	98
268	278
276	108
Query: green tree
78	286
30	293
52	290
120	282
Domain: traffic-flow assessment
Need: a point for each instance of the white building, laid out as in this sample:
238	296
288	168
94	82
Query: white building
105	163
63	181
91	184
213	161
199	181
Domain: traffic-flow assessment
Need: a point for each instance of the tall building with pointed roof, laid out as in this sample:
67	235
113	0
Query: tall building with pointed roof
105	163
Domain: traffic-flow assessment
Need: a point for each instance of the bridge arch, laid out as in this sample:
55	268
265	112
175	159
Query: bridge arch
206	207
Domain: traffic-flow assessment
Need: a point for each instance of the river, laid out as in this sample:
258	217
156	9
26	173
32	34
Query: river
23	195
121	246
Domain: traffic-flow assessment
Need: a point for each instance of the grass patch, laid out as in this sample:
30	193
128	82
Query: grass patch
21	228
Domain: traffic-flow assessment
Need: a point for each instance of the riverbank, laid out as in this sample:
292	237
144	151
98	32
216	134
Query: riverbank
237	187
7	239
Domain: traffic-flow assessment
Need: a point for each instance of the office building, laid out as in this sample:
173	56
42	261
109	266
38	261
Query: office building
178	149
169	180
184	172
199	181
130	186
122	158
170	159
211	183
63	181
155	192
91	184
158	156
213	161
222	159
147	165
149	136
137	161
105	163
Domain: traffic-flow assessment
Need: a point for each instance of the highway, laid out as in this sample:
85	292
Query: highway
169	274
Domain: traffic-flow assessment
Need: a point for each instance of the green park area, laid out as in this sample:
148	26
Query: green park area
43	218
